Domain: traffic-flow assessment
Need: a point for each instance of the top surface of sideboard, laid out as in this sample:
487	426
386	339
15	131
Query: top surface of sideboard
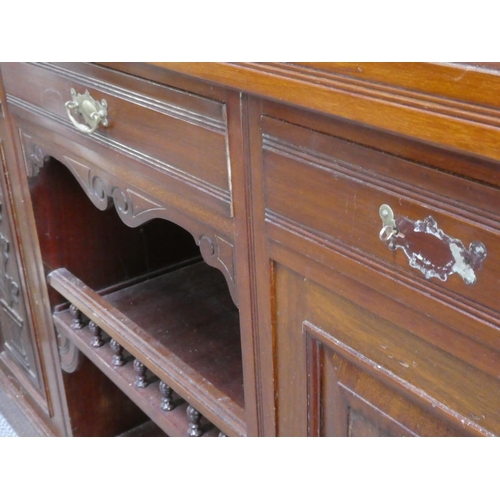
455	105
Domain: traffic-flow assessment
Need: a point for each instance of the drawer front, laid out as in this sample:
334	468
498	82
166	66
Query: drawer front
176	135
337	190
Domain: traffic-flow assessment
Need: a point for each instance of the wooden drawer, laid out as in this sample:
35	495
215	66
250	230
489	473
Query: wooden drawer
326	193
177	136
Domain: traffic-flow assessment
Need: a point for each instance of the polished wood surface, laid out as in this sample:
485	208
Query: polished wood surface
449	104
272	174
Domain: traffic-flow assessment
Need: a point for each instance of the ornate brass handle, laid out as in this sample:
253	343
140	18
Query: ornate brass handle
429	249
94	113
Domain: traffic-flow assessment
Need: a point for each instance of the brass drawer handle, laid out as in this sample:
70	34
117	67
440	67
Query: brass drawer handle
94	113
429	249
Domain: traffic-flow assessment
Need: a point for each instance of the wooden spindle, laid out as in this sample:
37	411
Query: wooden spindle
118	358
167	402
141	381
77	322
97	340
194	417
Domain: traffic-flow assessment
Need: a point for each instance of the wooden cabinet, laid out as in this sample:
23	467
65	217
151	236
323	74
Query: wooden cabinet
256	249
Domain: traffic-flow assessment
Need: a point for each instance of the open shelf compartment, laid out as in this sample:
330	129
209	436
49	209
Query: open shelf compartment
183	326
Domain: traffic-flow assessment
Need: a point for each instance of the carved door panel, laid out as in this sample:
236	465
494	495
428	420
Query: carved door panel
344	370
16	338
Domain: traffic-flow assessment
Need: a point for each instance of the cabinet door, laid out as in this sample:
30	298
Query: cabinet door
342	370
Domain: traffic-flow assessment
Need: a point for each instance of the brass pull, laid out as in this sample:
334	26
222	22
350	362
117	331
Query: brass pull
429	249
94	113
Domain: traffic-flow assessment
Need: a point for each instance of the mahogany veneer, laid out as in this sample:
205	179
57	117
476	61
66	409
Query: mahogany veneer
261	249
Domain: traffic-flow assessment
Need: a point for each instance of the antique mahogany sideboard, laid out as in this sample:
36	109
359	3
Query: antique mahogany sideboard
251	249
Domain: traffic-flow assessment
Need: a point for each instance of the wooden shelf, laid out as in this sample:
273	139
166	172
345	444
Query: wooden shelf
183	326
173	423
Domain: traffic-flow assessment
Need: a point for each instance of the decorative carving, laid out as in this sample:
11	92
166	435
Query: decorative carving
34	156
99	188
219	253
12	327
9	286
118	359
141	380
77	323
13	291
167	402
207	248
4	252
97	340
93	185
135	209
16	333
121	200
194	417
225	256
